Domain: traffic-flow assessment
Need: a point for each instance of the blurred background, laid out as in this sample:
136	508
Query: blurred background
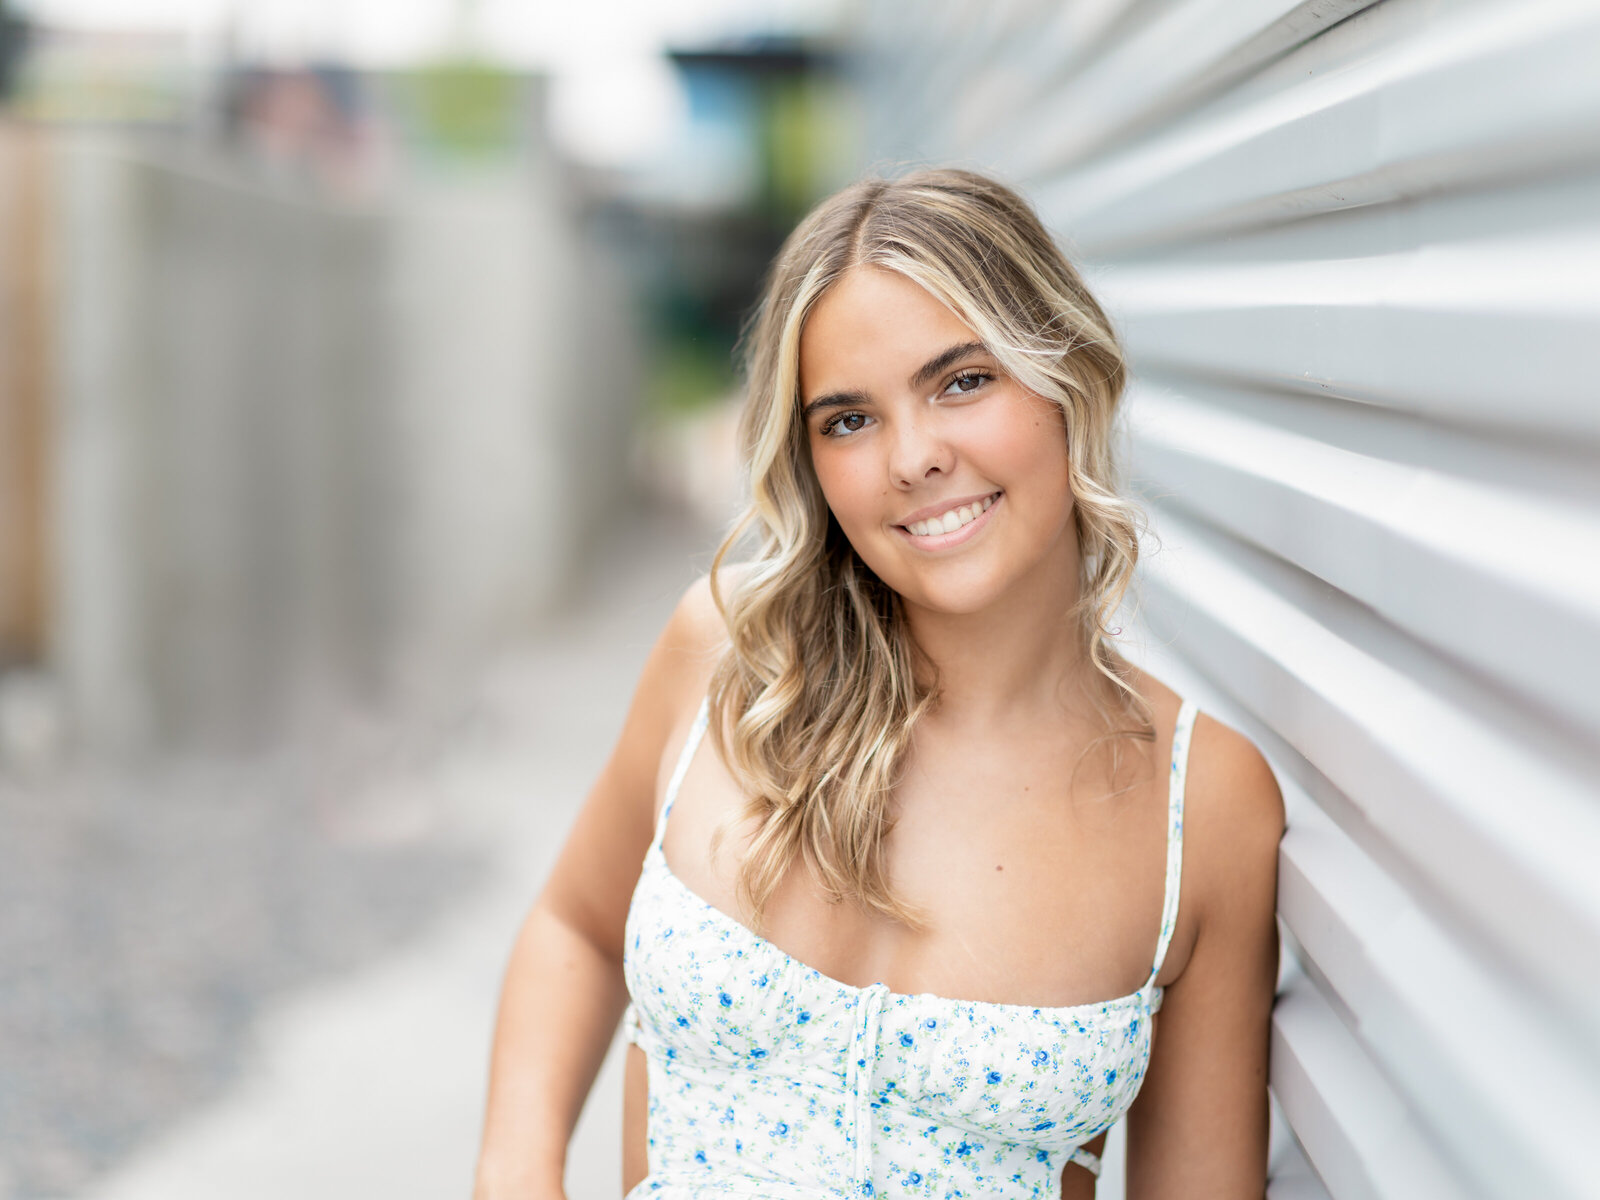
366	401
365	384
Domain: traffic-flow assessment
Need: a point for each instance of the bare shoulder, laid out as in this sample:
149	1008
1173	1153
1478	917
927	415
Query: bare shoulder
694	640
697	621
1233	781
1233	816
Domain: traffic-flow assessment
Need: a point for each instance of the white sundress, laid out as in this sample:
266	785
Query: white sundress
769	1079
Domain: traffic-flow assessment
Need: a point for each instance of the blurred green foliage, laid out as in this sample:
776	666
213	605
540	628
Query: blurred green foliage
791	106
13	40
463	108
688	374
794	145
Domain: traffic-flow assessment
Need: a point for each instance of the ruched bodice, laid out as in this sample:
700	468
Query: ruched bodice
768	1078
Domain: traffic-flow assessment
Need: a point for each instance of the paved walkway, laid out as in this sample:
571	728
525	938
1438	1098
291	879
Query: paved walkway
372	1084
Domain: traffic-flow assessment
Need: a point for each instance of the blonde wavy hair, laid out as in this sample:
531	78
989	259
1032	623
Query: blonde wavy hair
814	702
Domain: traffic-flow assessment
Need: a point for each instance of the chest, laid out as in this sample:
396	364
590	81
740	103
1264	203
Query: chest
1039	873
758	1063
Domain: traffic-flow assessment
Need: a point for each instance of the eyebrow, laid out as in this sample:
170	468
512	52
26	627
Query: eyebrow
945	358
848	399
923	374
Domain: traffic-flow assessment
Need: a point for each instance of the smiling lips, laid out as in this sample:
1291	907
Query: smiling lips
951	519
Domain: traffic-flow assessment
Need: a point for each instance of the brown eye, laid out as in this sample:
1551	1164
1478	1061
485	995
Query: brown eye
844	423
968	382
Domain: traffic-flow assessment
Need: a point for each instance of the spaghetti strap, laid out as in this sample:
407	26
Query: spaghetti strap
696	732
1179	772
630	1016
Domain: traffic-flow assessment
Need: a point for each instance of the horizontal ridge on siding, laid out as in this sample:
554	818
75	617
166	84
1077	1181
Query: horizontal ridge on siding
1412	1003
1448	330
1421	771
1403	123
1296	1181
1355	1131
1397	537
1030	61
1183	52
1420	1006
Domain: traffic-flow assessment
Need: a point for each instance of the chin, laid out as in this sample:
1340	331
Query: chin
955	592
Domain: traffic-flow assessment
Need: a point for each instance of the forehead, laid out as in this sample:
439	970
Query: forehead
873	327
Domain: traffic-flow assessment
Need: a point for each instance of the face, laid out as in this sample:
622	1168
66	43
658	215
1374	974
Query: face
949	478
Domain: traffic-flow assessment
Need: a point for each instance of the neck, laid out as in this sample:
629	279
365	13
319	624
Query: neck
1020	657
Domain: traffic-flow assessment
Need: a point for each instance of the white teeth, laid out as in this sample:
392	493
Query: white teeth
952	520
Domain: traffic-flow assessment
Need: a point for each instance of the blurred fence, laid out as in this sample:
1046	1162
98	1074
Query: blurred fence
24	301
1355	251
303	452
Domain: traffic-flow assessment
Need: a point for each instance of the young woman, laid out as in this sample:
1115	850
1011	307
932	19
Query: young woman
944	854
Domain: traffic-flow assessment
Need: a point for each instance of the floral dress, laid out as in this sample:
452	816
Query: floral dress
769	1079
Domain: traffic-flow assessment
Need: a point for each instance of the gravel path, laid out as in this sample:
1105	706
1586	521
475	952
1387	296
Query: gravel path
147	920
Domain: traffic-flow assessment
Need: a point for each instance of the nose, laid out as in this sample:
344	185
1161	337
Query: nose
917	452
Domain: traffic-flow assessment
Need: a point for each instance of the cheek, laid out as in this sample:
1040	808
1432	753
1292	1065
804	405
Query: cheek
1027	451
1048	450
852	490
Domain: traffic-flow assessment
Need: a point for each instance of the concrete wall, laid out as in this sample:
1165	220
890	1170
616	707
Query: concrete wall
1353	249
309	453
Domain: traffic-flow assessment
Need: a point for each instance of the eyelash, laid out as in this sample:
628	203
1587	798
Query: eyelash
832	422
971	373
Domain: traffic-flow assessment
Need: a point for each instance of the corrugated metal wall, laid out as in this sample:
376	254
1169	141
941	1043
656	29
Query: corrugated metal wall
1355	251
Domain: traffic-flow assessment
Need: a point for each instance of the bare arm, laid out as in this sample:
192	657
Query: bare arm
558	1009
564	991
1198	1130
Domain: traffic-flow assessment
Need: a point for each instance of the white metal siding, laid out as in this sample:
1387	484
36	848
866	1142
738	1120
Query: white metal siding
1355	251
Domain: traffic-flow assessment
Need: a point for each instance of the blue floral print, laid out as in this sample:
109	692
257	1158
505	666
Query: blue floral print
769	1079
